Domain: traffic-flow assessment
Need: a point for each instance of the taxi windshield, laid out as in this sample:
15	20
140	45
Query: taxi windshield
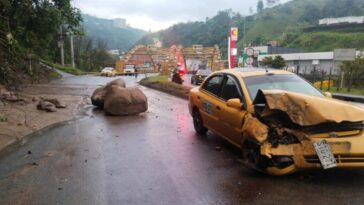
286	82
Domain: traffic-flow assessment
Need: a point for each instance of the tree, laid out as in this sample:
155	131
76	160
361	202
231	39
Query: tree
35	24
90	57
267	61
311	14
260	6
354	71
251	11
30	29
278	62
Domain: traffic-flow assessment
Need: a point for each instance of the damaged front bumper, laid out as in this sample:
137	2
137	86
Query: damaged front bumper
348	152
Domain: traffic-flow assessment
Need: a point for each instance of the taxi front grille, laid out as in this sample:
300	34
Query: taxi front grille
339	159
334	127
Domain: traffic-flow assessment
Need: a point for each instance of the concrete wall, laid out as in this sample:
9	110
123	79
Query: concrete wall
306	66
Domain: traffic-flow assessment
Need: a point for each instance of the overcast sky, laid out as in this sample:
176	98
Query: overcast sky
155	15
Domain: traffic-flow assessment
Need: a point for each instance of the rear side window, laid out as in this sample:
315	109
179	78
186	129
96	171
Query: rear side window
213	85
230	90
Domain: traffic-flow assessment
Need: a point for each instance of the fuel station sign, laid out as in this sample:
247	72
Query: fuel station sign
232	51
234	33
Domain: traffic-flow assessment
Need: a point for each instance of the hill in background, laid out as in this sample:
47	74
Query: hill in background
284	23
115	37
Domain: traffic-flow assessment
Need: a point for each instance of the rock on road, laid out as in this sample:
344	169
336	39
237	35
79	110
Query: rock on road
153	158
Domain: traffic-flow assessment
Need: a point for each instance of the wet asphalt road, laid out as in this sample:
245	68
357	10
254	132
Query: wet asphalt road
153	158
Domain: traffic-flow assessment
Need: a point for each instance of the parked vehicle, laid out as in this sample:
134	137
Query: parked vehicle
129	69
200	76
280	122
108	72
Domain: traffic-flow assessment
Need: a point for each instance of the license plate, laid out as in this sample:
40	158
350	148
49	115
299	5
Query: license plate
325	155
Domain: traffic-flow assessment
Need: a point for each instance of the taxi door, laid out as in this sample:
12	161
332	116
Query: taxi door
231	118
209	99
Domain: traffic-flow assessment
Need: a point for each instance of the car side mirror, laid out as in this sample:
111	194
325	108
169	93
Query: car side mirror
234	103
328	94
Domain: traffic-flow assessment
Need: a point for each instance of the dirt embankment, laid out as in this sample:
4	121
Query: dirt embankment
19	115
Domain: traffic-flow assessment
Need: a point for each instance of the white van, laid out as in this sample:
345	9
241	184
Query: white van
129	69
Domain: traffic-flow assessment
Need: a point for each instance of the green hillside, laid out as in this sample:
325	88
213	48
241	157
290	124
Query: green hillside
115	38
325	41
212	31
284	23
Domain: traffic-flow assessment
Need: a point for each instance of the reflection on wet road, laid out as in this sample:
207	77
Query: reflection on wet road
153	158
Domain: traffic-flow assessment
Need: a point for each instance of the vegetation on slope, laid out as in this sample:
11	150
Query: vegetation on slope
326	41
115	38
30	29
283	23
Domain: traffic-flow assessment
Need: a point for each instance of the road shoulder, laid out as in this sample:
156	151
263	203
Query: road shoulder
20	119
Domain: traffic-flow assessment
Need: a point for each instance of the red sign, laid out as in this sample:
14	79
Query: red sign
234	33
249	51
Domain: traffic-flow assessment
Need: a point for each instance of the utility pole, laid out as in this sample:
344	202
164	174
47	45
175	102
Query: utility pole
72	51
61	44
244	32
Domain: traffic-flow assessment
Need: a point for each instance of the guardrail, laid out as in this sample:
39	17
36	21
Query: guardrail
348	97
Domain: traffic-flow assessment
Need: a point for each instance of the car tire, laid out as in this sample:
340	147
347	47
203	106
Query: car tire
198	123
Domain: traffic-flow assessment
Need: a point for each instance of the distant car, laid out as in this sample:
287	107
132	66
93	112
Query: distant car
280	122
108	72
200	76
129	69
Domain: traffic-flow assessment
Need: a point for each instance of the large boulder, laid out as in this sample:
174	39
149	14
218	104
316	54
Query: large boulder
98	96
118	82
125	101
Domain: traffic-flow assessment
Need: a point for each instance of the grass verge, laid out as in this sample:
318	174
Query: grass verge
354	91
66	69
162	83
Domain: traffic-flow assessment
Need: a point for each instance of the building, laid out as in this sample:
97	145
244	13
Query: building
157	43
272	3
250	55
306	63
342	20
114	52
269	49
119	23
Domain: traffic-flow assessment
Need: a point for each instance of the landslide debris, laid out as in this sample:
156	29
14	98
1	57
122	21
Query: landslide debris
118	100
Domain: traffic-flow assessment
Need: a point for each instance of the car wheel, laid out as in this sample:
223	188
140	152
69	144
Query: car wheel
197	123
252	157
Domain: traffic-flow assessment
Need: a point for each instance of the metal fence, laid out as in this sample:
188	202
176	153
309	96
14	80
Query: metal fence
333	83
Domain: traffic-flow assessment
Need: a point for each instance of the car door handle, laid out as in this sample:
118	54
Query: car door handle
218	108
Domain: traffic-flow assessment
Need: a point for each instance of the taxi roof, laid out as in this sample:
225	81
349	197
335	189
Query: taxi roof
247	72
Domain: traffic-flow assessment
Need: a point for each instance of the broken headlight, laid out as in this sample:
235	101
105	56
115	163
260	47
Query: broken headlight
285	138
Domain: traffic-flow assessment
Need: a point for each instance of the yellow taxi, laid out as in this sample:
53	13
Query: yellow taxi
280	122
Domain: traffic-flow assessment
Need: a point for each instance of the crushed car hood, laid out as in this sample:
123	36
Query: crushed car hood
307	110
